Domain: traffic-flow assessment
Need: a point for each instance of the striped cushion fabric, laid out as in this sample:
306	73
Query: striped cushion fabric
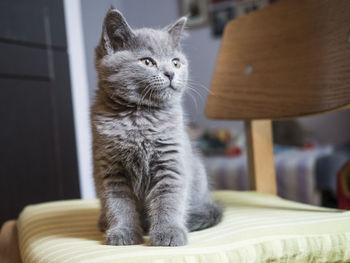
255	228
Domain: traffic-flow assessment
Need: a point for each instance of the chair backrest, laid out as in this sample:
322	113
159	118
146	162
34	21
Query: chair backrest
286	60
289	59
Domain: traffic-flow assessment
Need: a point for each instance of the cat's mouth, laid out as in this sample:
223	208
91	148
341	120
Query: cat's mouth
171	86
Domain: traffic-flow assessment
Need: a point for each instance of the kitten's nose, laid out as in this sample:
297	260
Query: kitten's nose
170	75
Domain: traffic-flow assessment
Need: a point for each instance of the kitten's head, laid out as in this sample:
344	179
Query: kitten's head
143	66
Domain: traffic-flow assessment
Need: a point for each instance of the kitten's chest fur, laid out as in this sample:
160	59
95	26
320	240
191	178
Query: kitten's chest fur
134	139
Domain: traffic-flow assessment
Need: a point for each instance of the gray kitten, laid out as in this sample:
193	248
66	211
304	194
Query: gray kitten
147	176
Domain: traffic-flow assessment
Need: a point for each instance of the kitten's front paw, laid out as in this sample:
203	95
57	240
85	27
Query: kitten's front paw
168	236
123	236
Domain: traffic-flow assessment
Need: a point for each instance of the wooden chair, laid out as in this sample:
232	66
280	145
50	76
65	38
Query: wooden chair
288	60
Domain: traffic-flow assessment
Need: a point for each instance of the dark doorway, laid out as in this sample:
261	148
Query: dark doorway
38	159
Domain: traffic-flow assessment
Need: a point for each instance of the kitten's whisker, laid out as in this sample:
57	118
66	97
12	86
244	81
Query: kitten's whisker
190	88
200	85
196	91
195	102
150	99
143	80
147	89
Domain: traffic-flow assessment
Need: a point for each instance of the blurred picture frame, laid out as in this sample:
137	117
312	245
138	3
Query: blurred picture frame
247	6
220	14
196	12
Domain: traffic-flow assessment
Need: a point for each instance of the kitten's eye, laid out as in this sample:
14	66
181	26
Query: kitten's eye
148	62
176	62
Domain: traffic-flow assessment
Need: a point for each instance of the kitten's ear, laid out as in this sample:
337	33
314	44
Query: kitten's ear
117	34
176	30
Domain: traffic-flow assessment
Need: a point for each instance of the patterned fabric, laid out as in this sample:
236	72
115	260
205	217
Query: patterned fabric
255	228
295	169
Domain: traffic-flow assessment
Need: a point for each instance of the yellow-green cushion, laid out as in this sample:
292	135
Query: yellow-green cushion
255	228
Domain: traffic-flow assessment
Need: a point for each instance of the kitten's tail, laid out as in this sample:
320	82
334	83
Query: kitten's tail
206	216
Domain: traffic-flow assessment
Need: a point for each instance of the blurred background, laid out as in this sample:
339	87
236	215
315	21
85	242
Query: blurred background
47	84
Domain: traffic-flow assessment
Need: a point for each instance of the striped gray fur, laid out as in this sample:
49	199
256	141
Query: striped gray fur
147	175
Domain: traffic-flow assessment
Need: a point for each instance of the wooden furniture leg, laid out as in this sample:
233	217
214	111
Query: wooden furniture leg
261	164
